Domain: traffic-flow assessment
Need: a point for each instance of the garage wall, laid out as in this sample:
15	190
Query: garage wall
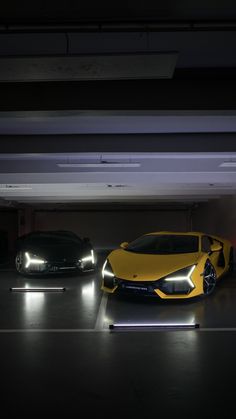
107	229
217	217
9	229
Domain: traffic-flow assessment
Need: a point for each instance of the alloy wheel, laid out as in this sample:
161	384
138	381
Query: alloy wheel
209	278
19	262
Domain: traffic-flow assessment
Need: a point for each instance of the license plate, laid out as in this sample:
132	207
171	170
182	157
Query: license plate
135	287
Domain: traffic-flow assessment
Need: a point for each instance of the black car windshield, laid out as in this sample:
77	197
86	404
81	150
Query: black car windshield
166	244
51	239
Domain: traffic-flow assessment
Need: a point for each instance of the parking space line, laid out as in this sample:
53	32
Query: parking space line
217	329
49	330
99	325
101	328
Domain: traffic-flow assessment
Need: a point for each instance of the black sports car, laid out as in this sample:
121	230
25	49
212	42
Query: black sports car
48	252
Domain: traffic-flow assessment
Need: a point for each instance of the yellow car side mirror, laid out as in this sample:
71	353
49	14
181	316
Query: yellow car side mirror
123	245
216	247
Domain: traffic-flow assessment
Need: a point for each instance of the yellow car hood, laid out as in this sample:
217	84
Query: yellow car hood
141	267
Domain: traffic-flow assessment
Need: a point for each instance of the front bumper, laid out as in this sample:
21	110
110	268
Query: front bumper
58	267
158	288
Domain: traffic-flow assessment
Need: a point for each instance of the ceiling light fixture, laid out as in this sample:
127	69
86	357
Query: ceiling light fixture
228	164
14	187
99	165
109	185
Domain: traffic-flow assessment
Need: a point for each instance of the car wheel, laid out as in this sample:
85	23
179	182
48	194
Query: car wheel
19	262
209	278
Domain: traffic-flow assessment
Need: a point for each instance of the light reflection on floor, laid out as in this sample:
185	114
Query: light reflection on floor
83	302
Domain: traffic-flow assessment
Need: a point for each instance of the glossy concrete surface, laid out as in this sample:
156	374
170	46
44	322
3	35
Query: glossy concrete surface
105	374
58	354
83	305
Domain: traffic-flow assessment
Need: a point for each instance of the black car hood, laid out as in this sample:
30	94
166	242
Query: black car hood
57	252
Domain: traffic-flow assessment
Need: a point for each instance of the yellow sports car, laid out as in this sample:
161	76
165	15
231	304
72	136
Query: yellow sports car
168	264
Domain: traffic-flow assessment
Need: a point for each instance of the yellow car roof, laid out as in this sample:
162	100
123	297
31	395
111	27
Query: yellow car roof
188	233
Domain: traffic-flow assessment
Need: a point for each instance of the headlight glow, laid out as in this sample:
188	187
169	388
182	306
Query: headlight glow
32	260
89	258
106	270
185	277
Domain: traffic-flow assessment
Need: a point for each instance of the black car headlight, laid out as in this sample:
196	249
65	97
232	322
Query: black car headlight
179	282
88	259
108	275
33	260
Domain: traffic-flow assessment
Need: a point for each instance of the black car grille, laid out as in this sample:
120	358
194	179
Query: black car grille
56	268
51	267
38	268
62	266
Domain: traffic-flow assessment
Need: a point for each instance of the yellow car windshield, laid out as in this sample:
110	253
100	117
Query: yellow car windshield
165	244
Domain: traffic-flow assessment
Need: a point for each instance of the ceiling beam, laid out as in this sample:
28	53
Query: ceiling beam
115	143
120	95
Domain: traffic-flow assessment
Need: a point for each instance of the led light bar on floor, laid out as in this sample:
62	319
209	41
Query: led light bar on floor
54	289
153	326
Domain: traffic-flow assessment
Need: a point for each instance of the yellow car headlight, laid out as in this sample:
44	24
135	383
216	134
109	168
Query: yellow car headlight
107	270
108	276
182	275
179	282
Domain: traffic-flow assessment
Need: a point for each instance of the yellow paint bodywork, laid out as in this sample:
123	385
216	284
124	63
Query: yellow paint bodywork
136	267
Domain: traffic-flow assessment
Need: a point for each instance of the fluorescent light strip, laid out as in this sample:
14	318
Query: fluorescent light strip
100	165
54	289
14	189
155	325
228	164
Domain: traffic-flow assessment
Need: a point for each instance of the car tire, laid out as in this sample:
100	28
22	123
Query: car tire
19	263
209	278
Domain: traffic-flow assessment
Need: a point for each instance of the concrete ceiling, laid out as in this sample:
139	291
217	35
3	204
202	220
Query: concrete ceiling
116	177
202	35
105	11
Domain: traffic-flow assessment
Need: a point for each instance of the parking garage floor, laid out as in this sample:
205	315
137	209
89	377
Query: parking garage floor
59	353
